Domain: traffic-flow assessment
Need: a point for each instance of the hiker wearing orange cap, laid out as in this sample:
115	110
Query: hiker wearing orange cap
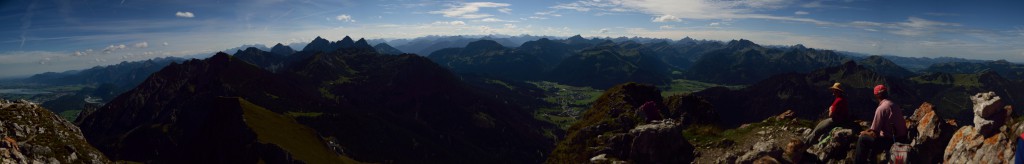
887	127
838	113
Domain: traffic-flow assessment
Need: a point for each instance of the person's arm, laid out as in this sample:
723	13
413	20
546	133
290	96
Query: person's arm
832	108
878	122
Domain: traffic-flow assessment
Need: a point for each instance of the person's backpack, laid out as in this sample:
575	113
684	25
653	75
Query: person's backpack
898	152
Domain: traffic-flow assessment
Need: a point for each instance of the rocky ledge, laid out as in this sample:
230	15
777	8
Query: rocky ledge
32	134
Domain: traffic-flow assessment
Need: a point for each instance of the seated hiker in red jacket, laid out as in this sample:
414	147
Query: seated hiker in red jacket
838	113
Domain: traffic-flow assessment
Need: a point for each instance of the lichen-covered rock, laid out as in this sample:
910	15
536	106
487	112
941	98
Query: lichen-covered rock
968	146
929	134
988	140
31	134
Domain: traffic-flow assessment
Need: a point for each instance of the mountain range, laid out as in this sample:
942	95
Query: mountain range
346	101
410	108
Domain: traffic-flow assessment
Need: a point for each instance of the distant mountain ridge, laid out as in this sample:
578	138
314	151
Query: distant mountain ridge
414	104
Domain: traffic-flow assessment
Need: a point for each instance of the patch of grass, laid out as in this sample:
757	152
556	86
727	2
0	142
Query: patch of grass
708	134
959	80
546	114
285	132
70	115
327	93
569	102
302	114
681	86
502	83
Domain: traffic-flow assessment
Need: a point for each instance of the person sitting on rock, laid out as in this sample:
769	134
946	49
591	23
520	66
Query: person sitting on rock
650	111
886	127
838	113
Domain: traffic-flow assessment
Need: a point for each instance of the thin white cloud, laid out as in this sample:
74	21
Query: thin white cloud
344	18
914	26
469	10
604	30
113	48
505	10
666	18
165	44
813	4
801	13
495	20
694	9
454	23
184	14
141	45
666	27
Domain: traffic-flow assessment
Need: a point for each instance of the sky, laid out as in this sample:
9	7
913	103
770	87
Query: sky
58	35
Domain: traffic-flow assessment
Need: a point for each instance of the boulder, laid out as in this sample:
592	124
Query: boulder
659	142
760	150
988	141
929	134
988	112
837	147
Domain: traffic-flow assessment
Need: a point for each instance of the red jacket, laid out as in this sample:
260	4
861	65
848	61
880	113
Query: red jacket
839	109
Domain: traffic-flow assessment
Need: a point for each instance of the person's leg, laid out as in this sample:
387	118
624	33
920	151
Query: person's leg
823	127
883	147
863	151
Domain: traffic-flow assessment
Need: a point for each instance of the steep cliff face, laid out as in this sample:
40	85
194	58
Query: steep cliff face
32	134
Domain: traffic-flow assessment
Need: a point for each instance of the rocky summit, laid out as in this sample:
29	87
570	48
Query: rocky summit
32	134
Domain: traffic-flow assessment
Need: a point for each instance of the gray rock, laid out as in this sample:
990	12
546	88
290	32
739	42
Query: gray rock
835	147
988	112
761	149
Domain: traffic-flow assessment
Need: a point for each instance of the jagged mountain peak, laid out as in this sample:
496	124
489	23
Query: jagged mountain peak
362	43
318	44
346	42
576	37
282	50
799	47
742	43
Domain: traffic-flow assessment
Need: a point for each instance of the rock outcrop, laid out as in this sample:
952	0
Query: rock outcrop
837	147
611	131
987	141
658	142
31	134
929	134
988	112
691	109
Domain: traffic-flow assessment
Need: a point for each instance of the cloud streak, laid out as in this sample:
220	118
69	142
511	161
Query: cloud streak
344	18
184	14
470	10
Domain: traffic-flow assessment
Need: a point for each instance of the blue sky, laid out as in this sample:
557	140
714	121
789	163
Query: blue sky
58	35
